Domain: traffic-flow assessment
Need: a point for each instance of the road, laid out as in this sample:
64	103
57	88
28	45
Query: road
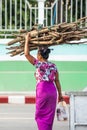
21	117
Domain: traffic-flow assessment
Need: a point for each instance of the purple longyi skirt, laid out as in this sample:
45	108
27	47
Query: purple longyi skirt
46	100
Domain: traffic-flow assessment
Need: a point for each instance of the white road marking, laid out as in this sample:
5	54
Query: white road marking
6	113
16	118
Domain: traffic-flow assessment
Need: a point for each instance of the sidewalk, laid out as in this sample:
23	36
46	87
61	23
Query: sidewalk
61	125
22	117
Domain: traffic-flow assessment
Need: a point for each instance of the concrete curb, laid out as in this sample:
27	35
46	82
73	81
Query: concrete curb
21	99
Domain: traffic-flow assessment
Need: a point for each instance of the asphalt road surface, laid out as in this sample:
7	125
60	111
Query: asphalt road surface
21	117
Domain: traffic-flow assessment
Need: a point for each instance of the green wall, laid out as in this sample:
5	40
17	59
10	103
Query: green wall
19	75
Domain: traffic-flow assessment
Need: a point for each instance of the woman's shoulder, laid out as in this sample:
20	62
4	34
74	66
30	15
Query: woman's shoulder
38	63
51	63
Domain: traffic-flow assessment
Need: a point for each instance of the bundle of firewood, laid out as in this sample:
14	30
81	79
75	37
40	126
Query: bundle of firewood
63	33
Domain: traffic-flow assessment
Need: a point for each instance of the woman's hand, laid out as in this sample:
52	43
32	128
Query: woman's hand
61	98
28	37
29	57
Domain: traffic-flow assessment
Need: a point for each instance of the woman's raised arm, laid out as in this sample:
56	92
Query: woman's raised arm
27	54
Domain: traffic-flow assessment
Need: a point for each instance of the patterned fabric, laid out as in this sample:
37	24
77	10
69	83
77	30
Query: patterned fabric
45	71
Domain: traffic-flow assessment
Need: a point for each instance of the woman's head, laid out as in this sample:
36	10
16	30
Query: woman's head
43	52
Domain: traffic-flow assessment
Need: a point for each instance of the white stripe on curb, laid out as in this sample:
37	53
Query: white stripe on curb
16	99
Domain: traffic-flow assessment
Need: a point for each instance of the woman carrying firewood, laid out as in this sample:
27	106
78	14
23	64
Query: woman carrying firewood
46	87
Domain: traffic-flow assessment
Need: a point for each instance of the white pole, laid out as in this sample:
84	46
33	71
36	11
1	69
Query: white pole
41	11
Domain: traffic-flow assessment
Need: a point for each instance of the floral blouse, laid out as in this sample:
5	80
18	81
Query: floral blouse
45	71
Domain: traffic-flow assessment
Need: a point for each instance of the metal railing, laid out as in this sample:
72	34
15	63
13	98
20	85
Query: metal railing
19	14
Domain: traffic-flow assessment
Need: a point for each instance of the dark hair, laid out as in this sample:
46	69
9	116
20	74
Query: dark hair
44	52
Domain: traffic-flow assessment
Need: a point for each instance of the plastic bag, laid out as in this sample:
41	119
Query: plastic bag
62	111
